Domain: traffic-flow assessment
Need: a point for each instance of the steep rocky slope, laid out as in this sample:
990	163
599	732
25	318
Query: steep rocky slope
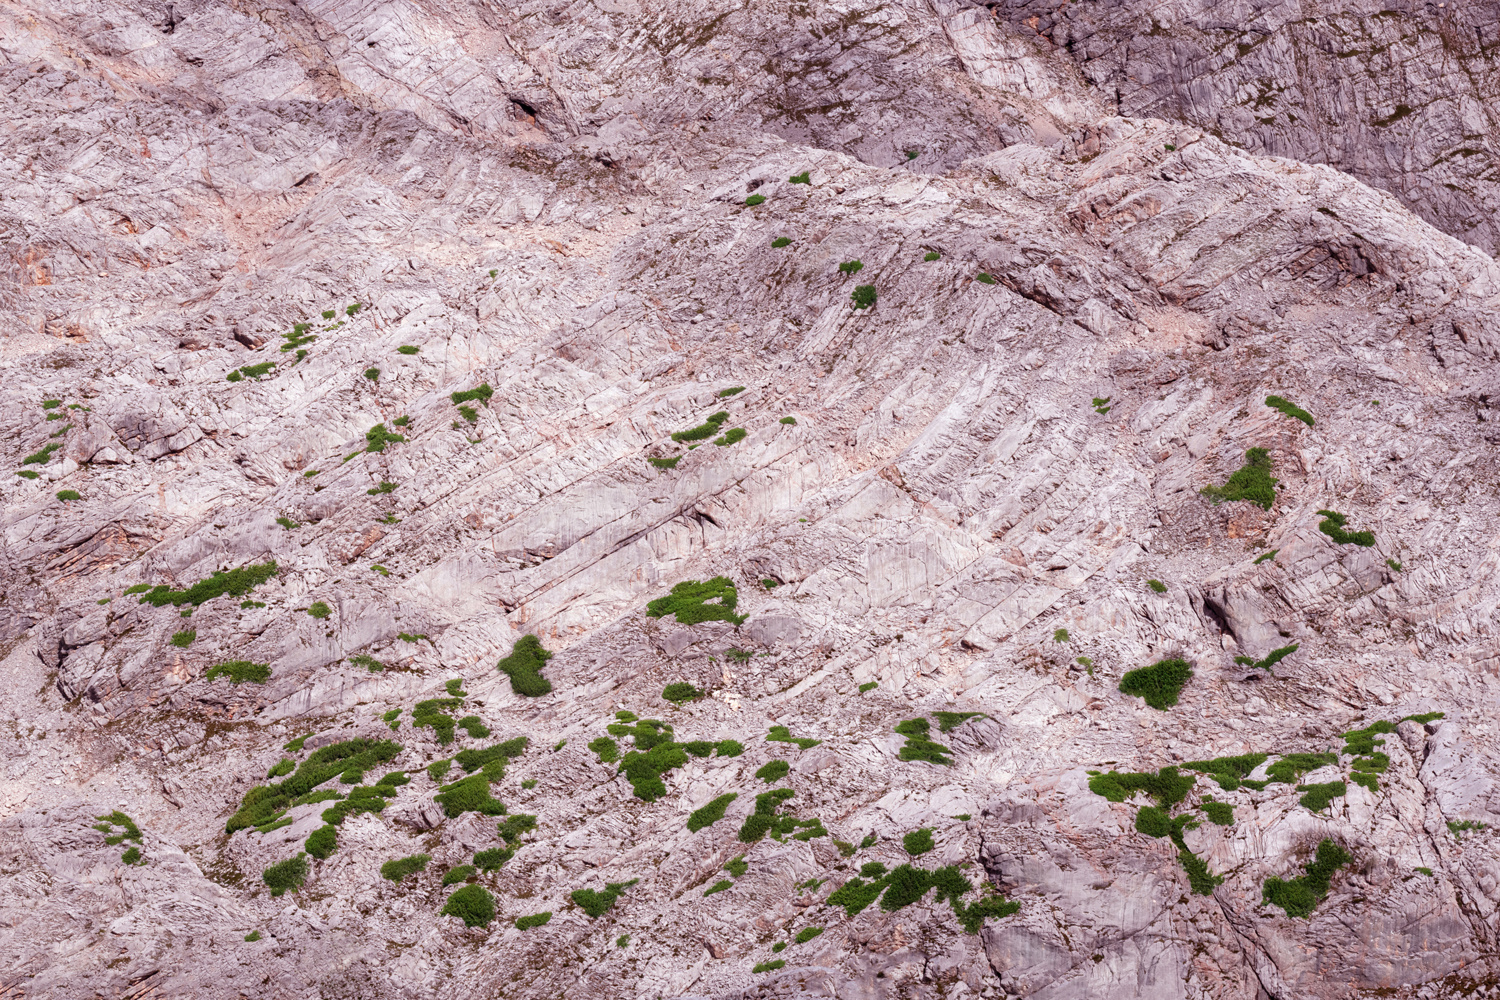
383	313
1401	95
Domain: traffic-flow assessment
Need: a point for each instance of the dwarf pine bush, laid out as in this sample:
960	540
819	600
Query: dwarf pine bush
1159	684
1252	481
472	904
524	667
289	874
693	602
1299	896
863	296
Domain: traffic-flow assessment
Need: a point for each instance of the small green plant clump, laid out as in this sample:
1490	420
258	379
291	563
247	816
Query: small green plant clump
1218	813
781	734
1265	556
755	199
907	884
1101	405
1299	896
1333	524
408	349
918	747
253	936
918	841
42	456
373	374
1159	684
1290	409
1270	660
1290	768
766	820
949	721
288	523
184	639
801	178
238	582
693	602
239	671
733	390
703	431
472	904
718	886
492	859
984	279
371	664
806	934
680	692
524	667
595	902
665	463
1157	586
377	437
322	842
66	495
732	436
284	766
385	487
770	966
851	267
1460	827
774	771
264	802
461	873
863	296
319	610
790	421
1229	772
535	920
932	255
398	868
868	686
1319	797
289	874
781	241
27	474
1252	481
482	394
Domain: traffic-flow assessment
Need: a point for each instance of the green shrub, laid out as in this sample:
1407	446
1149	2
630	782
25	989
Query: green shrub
680	692
868	686
462	873
644	770
1318	797
408	349
801	178
184	639
310	473
239	671
863	296
607	749
689	601
1299	896
289	874
238	582
288	523
1271	659
319	610
1252	481
984	279
851	267
1157	586
471	794
472	725
755	199
781	241
42	456
472	904
535	920
1159	684
493	859
792	421
710	813
1060	635
1459	827
1153	821
27	474
322	842
1291	767
353	310
1265	556
730	748
596	904
384	487
373	374
773	771
1290	409
324	764
949	721
397	869
524	667
1219	813
807	934
284	766
294	746
781	734
731	391
1332	525
731	436
66	495
483	394
703	431
1394	565
377	437
371	664
918	747
932	255
501	753
253	936
718	886
1200	880
468	413
906	885
1166	786
771	966
918	841
665	463
1229	772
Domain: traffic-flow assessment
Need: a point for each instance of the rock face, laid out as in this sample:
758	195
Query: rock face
1402	96
481	322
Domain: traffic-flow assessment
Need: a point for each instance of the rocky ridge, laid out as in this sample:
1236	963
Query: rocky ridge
986	499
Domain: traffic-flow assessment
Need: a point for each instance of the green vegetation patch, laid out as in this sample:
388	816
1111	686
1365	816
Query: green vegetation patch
801	178
774	771
771	966
1290	409
1333	524
1318	797
289	874
718	886
472	904
66	495
1157	586
918	746
665	463
1264	556
1252	481
535	920
1218	813
377	437
461	873
733	390
703	431
482	393
524	667
493	859
868	686
863	296
1290	768
398	868
781	241
322	842
1229	772
694	603
1299	896
931	256
851	267
1167	787
710	813
907	884
240	671
644	770
596	903
237	582
732	436
1159	684
471	794
806	934
918	841
408	349
492	759
432	713
1270	660
263	802
42	456
184	639
779	825
284	766
680	692
781	734
607	749
755	199
949	721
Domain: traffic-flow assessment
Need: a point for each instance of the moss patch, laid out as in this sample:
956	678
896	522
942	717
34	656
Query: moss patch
918	747
1290	409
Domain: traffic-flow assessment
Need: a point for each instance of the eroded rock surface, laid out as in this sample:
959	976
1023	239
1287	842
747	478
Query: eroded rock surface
255	251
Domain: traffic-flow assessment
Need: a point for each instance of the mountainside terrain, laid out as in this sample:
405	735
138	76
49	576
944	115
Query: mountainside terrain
619	499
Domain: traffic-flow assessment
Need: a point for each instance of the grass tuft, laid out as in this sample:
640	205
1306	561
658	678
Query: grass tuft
1290	409
918	747
237	582
1333	524
1252	481
680	692
239	671
289	874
